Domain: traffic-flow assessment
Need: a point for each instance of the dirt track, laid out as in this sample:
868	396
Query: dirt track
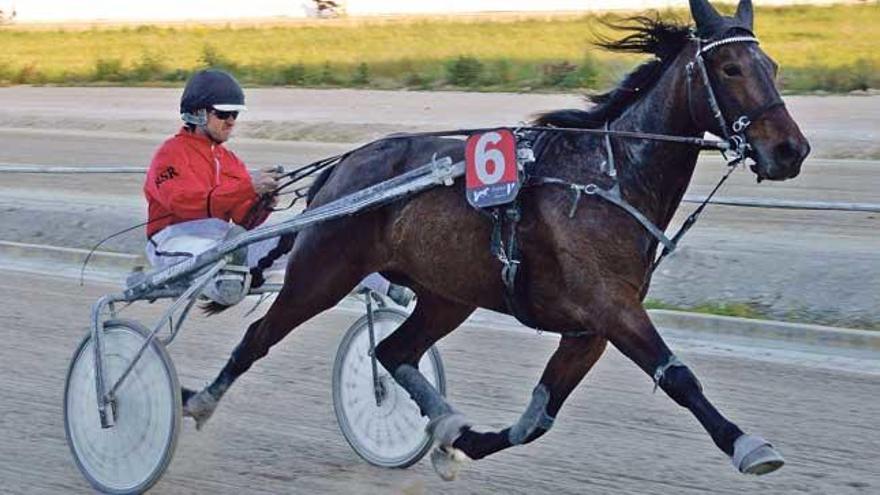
808	266
275	431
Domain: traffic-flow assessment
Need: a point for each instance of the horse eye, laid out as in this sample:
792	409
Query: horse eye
732	70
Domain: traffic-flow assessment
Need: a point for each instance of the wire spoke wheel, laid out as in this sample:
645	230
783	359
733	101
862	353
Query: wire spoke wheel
132	455
392	432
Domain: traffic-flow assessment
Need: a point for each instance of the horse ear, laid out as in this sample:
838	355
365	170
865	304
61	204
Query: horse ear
745	14
707	18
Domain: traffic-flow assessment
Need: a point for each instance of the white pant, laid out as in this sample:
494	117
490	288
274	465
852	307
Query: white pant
184	240
180	241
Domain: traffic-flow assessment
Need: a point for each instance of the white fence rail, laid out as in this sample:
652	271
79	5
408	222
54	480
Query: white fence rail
785	204
18	168
690	198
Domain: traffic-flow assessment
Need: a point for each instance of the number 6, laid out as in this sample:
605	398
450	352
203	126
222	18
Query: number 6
483	155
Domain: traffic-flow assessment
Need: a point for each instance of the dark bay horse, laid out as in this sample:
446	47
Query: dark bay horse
583	276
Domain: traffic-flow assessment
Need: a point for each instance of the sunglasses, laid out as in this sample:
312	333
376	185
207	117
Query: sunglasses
224	115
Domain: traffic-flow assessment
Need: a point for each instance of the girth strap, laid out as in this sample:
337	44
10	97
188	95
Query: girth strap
509	255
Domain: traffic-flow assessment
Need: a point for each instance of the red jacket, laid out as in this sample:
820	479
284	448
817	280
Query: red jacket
191	178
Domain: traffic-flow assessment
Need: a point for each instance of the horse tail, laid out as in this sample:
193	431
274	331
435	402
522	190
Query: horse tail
212	308
285	244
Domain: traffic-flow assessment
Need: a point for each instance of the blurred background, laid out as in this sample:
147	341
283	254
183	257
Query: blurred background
385	44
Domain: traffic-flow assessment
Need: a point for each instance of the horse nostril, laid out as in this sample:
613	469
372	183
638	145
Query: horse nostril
786	153
805	149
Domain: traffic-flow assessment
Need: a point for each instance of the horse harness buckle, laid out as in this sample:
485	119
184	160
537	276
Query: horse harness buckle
741	124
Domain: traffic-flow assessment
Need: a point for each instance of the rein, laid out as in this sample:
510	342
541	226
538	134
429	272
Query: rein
305	171
702	143
734	142
298	174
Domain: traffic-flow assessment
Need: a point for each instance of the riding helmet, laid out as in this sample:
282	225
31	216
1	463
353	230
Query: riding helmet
211	88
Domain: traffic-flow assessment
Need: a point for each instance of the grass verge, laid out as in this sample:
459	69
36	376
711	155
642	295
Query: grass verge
739	310
757	312
819	48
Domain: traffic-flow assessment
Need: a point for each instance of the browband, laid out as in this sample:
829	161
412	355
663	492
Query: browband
732	39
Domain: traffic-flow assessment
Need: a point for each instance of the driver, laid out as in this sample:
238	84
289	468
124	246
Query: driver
199	193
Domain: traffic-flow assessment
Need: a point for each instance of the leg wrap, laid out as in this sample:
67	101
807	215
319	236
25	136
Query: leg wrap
678	382
426	396
534	417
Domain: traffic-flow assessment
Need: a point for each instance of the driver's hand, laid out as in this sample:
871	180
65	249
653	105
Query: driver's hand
266	180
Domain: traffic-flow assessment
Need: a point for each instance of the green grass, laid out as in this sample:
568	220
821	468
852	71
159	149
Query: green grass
819	48
740	310
758	312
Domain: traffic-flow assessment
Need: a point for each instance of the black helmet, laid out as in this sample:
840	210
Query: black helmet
211	88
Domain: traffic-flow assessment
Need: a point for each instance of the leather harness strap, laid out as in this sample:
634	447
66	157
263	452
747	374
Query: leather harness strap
510	214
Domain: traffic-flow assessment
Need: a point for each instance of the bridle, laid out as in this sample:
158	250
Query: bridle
735	132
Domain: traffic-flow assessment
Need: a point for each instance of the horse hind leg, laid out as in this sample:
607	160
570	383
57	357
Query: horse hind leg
313	283
433	318
636	337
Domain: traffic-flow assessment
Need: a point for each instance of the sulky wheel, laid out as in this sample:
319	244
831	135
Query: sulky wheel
392	433
132	455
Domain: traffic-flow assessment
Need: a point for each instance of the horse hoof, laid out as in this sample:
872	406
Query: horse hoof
754	455
447	428
200	407
448	461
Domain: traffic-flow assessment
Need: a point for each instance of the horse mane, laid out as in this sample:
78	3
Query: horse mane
648	35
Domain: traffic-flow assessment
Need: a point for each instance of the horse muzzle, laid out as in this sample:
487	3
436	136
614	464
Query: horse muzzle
781	161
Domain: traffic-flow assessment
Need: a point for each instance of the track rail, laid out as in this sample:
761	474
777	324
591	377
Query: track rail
690	198
17	168
785	203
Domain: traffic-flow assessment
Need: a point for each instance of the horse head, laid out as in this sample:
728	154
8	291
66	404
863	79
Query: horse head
730	69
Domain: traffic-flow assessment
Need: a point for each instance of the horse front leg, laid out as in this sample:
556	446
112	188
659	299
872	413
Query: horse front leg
633	333
433	318
569	364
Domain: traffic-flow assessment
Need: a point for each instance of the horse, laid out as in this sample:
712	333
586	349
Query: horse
583	271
